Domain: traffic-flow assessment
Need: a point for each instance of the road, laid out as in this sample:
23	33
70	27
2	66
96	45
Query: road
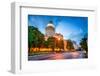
55	56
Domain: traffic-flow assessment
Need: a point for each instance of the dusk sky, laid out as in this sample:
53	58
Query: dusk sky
70	27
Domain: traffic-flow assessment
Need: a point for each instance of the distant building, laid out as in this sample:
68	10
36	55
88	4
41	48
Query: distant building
75	45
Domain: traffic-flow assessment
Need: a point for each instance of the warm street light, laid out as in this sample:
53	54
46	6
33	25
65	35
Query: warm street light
58	38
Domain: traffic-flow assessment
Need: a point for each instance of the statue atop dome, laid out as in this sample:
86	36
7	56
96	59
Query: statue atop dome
50	24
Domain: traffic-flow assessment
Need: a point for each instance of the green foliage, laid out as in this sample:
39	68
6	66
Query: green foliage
35	37
69	45
46	43
83	44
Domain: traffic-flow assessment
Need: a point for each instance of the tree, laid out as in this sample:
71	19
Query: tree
31	37
51	41
46	44
35	37
69	45
40	40
83	44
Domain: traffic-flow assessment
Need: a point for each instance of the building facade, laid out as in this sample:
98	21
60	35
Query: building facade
50	32
50	29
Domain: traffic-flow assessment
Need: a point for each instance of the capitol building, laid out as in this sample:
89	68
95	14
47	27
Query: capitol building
50	32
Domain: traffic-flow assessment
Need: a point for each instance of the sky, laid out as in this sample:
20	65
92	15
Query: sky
71	27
